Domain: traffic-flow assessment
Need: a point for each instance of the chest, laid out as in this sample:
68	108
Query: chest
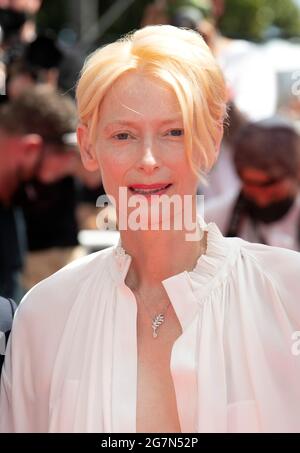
156	399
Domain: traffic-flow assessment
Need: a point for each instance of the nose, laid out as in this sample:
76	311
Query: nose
149	159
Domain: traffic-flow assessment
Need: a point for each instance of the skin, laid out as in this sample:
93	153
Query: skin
263	196
57	163
149	150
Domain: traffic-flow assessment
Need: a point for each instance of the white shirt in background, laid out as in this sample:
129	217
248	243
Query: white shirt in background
283	233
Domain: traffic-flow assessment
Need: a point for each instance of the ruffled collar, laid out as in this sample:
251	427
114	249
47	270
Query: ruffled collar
211	267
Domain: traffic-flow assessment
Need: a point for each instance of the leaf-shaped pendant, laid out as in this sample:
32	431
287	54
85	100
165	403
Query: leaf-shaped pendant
157	321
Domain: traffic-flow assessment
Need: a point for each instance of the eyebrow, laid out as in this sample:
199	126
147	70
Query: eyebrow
136	123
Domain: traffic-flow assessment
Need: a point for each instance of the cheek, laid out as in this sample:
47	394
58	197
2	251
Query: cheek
282	191
188	178
113	172
51	164
113	163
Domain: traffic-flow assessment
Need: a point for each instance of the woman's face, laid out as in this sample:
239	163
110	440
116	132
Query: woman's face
140	140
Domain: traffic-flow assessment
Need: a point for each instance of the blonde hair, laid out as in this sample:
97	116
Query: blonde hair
180	58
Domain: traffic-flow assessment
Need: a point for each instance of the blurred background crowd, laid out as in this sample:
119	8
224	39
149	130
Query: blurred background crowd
48	212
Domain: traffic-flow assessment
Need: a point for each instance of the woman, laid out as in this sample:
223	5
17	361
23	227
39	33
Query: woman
175	329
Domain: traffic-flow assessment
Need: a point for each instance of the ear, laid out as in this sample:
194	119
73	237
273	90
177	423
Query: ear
32	142
29	152
86	149
32	147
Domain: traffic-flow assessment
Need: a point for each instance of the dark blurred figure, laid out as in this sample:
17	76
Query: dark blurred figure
267	208
11	23
38	147
19	19
27	57
43	61
53	63
39	63
17	29
49	200
19	158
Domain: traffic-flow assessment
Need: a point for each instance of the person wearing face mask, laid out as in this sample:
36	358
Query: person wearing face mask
267	207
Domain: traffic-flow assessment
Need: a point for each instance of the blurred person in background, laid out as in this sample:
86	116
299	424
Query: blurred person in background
53	62
267	207
42	61
38	56
39	63
49	200
19	156
39	168
11	23
17	29
28	9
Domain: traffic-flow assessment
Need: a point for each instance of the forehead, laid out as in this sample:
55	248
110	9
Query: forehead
135	96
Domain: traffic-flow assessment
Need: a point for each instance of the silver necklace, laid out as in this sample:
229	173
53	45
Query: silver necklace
157	320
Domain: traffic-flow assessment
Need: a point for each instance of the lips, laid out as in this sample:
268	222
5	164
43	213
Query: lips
149	189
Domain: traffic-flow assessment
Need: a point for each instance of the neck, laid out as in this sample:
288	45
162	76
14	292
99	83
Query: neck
157	255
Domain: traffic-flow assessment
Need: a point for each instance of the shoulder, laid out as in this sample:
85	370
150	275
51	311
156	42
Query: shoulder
261	277
276	259
52	299
279	266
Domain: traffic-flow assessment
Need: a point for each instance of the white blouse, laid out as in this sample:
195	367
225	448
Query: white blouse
72	365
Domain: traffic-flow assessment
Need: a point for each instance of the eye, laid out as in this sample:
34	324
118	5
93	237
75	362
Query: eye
175	132
122	136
